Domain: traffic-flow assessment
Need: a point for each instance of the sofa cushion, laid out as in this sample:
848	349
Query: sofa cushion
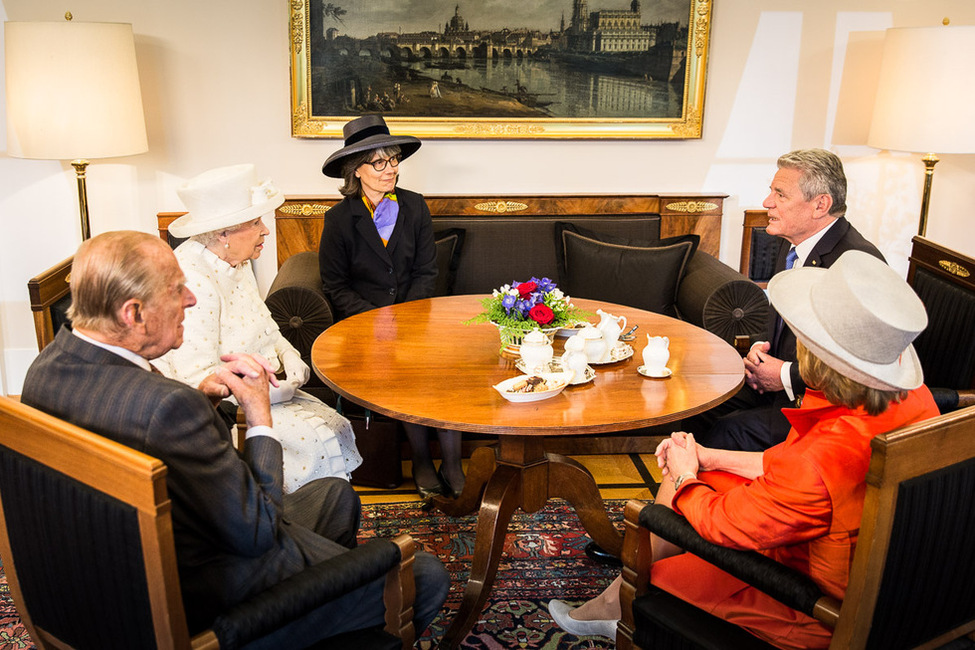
449	243
641	274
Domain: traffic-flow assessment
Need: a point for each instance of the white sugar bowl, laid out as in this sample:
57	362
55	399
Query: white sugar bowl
593	343
536	351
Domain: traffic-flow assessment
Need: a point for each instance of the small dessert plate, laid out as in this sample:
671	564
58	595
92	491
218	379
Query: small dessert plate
662	374
570	330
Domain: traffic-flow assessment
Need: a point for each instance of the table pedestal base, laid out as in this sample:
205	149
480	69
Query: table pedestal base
518	473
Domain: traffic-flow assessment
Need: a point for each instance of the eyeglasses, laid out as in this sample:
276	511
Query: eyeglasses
380	165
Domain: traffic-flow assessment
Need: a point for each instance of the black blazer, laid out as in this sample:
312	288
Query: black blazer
359	273
841	237
232	539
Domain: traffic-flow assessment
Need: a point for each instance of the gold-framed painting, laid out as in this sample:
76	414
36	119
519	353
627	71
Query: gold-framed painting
495	69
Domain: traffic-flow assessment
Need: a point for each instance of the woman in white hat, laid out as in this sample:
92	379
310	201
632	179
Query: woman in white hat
799	502
226	232
377	249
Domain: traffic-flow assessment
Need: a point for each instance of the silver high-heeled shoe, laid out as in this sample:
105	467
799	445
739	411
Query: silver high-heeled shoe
559	611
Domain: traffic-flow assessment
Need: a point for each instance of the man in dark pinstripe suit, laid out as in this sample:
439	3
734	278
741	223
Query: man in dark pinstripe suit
806	207
236	532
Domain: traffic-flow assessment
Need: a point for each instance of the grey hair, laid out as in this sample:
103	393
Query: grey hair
211	237
821	172
353	187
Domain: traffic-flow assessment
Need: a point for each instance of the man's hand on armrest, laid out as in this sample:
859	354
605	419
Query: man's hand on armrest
762	371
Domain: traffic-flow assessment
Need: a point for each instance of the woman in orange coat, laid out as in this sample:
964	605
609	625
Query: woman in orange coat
799	502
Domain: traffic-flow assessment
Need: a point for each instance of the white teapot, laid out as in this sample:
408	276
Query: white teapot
611	328
656	354
593	343
536	351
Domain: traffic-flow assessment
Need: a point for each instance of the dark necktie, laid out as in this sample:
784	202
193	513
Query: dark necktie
790	261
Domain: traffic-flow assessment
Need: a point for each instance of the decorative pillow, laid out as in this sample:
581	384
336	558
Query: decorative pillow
645	275
449	243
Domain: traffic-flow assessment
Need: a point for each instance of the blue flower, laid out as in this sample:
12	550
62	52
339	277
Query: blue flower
508	301
545	285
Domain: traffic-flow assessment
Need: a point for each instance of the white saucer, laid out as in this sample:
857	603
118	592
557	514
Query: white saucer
621	352
663	374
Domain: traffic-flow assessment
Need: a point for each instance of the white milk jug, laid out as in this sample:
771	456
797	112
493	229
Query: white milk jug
656	354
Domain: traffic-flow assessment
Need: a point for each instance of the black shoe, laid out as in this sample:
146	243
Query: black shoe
427	493
448	489
597	554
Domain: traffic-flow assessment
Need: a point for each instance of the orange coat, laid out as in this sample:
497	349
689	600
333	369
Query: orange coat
804	511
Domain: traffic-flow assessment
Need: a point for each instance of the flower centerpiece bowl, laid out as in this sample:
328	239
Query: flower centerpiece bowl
520	307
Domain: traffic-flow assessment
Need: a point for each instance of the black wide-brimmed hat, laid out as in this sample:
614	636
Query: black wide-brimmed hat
365	134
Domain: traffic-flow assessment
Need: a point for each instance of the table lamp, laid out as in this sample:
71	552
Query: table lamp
73	94
925	94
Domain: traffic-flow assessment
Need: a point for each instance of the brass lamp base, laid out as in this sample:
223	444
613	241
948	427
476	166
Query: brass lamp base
929	161
79	167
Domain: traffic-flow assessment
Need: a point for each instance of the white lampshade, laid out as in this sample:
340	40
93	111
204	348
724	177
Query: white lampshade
72	91
926	91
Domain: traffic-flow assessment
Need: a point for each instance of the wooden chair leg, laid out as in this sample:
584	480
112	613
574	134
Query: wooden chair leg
637	559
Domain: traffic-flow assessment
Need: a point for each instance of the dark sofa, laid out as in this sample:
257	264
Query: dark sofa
486	241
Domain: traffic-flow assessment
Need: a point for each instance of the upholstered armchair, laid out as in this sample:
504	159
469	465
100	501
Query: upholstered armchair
912	582
86	539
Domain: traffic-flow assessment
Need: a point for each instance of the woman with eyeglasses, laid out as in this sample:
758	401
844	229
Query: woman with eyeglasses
377	249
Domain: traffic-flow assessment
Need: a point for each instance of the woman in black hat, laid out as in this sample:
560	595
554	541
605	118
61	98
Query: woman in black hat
377	249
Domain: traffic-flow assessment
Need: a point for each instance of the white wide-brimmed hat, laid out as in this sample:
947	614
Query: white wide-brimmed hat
858	316
365	134
224	197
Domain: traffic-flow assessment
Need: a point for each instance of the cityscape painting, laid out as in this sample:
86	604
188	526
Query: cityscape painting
500	68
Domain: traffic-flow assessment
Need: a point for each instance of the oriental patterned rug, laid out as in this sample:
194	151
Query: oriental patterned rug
544	558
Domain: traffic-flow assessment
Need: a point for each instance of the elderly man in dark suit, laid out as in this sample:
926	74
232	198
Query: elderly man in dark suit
806	208
236	533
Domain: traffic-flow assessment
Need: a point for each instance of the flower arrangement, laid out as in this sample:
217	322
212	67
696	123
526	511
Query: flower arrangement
526	305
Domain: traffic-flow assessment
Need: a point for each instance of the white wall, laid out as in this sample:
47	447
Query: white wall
783	74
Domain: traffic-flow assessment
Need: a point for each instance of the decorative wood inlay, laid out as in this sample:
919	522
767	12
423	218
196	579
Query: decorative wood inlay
692	206
304	209
500	206
954	268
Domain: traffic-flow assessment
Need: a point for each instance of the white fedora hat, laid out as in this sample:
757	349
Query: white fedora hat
858	316
224	197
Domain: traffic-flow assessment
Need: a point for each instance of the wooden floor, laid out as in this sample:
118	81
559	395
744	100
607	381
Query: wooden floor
620	476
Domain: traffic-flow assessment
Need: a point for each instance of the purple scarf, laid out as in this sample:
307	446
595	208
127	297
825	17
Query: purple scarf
385	216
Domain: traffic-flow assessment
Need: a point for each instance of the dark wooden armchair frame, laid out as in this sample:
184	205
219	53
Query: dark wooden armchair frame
917	529
38	451
46	290
944	281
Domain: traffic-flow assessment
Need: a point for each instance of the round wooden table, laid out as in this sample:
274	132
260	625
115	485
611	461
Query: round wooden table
417	362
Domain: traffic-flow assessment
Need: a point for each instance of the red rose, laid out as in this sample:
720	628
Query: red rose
525	289
541	314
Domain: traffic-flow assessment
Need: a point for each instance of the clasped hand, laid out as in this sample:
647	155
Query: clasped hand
247	377
296	372
678	455
762	371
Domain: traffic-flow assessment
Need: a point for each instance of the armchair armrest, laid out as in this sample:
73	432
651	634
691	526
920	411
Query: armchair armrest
297	302
786	585
718	298
297	596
